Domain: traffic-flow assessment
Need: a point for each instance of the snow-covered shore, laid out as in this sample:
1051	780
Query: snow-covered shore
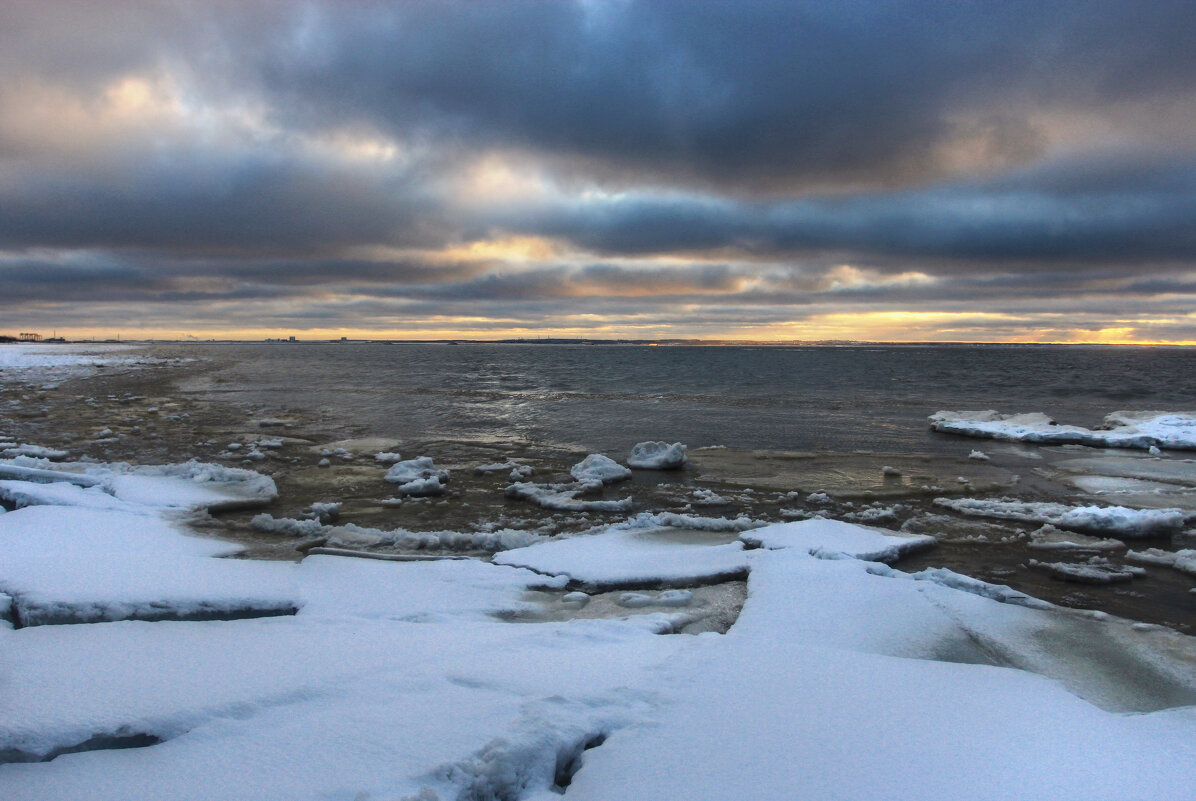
212	678
141	661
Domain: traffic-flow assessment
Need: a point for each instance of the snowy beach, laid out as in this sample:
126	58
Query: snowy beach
214	591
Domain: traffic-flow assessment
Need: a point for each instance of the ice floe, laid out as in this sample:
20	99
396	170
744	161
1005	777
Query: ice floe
820	536
1050	538
189	485
630	558
418	477
1096	570
1183	560
651	520
599	468
563	497
657	456
1110	520
354	536
34	451
77	565
1124	429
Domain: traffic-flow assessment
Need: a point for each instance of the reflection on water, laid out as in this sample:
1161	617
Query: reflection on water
609	397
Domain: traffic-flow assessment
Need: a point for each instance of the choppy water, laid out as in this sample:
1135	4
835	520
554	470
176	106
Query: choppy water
608	397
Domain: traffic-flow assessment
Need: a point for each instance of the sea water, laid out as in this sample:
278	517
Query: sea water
608	397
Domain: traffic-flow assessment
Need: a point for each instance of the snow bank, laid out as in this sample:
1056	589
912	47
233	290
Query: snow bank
630	558
657	456
599	468
1110	520
1126	429
820	536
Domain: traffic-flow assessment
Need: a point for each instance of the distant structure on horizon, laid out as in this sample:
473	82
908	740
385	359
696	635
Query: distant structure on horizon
29	336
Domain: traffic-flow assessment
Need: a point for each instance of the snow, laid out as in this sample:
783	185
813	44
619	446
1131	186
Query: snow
630	558
657	456
599	468
1123	429
807	691
841	679
821	536
1110	520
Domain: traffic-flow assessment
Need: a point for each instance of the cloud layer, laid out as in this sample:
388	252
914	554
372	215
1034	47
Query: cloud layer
794	170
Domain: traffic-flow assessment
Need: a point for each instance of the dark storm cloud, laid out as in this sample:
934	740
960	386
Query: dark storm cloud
210	205
769	92
1081	212
108	278
233	152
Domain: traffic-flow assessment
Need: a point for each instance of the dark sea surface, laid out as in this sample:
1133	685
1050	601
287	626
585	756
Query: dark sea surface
607	397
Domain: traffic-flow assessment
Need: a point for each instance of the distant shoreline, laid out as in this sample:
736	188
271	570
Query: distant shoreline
704	343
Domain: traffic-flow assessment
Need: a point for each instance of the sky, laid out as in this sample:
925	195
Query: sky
909	170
